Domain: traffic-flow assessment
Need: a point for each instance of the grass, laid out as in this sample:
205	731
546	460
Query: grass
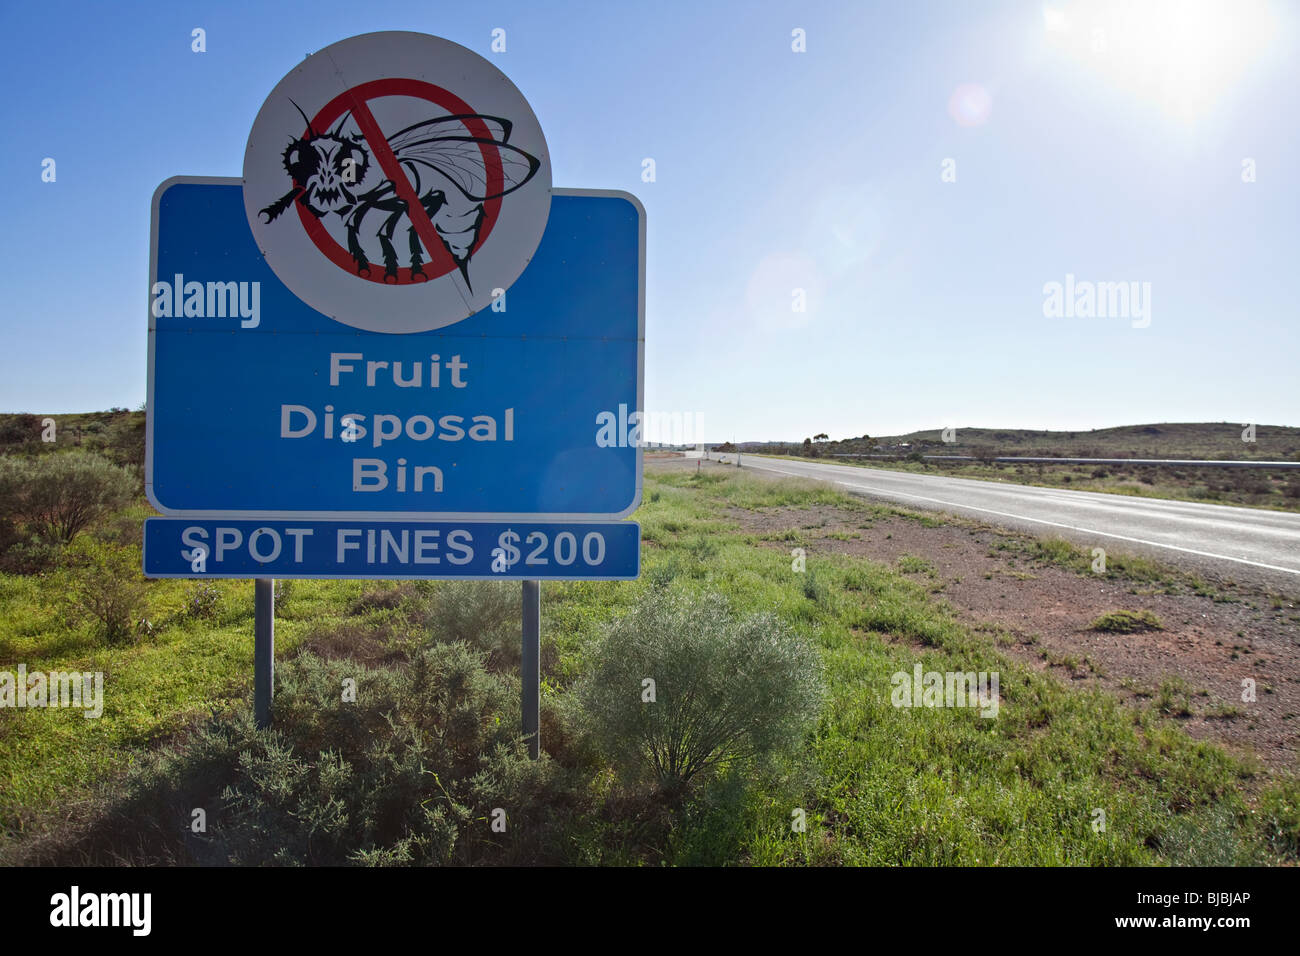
1174	698
153	689
877	784
1126	622
912	564
1132	568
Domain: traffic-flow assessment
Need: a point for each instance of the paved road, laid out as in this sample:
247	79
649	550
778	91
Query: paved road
1230	540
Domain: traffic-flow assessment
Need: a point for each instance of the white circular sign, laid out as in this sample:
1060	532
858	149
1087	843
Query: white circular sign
397	182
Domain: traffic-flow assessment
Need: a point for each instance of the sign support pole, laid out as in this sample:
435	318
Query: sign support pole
530	666
263	650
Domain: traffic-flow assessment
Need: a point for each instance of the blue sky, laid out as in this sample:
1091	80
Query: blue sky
1111	156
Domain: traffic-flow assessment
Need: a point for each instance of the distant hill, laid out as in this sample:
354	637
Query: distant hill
117	434
1164	440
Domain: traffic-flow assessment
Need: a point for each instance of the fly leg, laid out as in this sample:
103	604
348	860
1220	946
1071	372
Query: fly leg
371	200
354	245
417	261
272	211
431	202
386	242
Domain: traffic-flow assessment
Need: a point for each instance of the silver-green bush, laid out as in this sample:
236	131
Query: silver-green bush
57	496
726	690
483	614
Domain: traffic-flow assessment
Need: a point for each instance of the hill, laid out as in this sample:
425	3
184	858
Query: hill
118	434
1164	440
1208	440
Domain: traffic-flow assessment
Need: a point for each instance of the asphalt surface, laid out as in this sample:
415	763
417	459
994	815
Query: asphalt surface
1238	543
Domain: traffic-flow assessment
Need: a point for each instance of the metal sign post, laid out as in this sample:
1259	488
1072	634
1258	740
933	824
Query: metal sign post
263	650
530	666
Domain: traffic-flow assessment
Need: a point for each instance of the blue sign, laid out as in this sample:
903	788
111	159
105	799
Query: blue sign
262	407
231	548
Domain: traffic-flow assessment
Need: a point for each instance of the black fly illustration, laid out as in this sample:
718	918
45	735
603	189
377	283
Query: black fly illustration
445	166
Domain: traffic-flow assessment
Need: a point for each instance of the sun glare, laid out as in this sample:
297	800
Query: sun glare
1182	55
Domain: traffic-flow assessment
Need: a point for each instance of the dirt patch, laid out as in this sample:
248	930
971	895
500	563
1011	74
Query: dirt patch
1192	667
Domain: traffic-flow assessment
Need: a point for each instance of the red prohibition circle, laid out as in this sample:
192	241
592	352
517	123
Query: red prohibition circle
440	261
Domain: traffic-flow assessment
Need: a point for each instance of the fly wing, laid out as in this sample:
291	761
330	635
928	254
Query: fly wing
497	128
448	145
460	159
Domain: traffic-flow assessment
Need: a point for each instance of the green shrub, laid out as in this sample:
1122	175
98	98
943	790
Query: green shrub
483	614
1126	622
410	772
1174	698
815	588
124	527
124	440
1279	817
104	583
57	496
282	591
664	572
703	547
727	691
19	429
203	602
24	554
912	564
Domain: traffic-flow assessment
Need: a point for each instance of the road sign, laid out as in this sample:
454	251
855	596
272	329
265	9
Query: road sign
390	327
415	181
261	406
222	548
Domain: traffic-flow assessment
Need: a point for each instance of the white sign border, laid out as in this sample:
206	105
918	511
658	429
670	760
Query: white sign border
539	516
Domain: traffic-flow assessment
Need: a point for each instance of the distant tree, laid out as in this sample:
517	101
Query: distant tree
23	427
124	440
57	496
821	437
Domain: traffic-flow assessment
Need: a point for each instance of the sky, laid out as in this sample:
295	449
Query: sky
857	211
